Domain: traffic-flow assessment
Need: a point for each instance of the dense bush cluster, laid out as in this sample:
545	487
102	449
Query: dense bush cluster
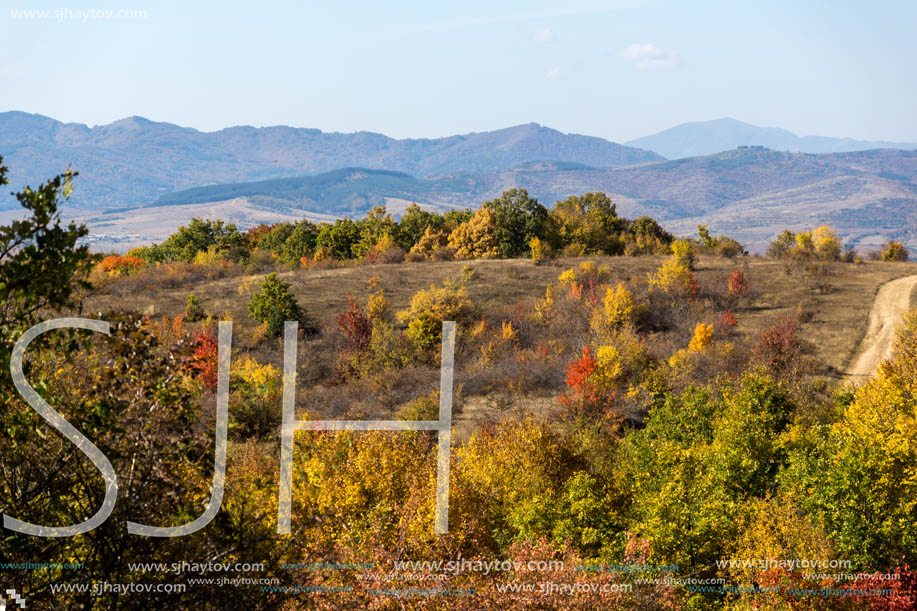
514	225
820	244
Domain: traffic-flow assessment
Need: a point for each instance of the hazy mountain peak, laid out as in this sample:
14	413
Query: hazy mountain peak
708	137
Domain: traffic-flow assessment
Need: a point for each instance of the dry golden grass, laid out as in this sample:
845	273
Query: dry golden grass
839	309
830	303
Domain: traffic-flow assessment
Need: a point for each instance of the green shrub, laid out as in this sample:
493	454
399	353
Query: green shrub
273	305
299	243
193	310
339	238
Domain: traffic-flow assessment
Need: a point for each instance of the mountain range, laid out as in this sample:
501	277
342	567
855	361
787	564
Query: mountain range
134	161
139	179
708	137
750	193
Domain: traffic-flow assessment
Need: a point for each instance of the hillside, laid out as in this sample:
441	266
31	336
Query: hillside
708	137
833	327
593	392
135	160
750	194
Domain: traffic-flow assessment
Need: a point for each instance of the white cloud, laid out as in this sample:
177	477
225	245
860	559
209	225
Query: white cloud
649	57
543	36
552	74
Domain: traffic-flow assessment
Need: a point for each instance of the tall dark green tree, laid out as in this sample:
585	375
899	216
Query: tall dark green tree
519	218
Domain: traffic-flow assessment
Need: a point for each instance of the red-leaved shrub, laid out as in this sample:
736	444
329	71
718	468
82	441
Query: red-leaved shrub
778	346
738	285
355	326
204	359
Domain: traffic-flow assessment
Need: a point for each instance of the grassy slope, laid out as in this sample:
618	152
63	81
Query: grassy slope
838	309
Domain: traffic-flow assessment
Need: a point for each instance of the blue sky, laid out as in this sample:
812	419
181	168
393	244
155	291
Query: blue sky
618	70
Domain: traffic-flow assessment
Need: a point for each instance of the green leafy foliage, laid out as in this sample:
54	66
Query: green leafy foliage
518	219
590	220
274	304
414	224
858	475
339	238
42	264
700	457
199	236
193	310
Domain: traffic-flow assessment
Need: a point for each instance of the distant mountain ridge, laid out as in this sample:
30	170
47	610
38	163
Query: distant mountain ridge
748	193
709	137
139	179
135	160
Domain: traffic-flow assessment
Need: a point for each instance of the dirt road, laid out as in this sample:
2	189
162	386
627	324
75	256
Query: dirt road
892	303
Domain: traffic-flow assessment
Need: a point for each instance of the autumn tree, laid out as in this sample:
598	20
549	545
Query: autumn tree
863	466
646	236
477	237
894	251
376	225
782	245
591	220
683	252
414	223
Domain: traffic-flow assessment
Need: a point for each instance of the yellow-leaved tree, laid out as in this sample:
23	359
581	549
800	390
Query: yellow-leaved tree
477	237
430	307
865	464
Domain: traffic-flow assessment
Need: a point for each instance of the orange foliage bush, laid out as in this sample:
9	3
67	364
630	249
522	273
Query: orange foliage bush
121	265
584	394
726	323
